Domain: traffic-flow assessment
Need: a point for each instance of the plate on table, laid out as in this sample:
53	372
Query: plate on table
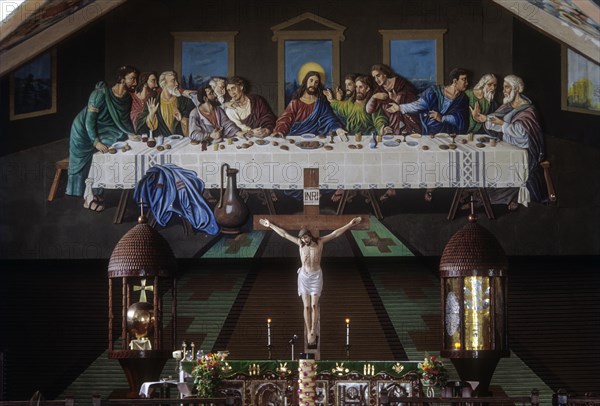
415	135
444	146
483	139
310	144
261	141
175	137
391	143
119	145
307	135
134	137
388	137
441	135
412	143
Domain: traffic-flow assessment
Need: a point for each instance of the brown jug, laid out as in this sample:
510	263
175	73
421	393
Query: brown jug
231	212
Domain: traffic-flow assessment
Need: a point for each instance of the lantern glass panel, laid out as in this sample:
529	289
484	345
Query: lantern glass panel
499	314
477	306
452	317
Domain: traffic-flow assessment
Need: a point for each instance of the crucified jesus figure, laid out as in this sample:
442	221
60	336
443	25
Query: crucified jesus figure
310	278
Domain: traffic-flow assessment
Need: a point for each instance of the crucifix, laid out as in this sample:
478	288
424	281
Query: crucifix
310	280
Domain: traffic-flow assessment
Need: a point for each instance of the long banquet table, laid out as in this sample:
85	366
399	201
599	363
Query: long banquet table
342	165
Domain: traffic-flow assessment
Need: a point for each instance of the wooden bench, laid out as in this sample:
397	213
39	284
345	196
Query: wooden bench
60	166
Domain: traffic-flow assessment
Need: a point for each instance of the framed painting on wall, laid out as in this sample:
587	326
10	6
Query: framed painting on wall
33	88
580	83
417	55
202	55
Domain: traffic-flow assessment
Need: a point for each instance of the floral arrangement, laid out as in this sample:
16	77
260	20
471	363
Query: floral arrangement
207	373
433	372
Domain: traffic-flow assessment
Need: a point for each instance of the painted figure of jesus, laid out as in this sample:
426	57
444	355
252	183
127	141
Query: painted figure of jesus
310	276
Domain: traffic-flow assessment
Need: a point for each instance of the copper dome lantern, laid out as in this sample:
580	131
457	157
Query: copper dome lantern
473	271
144	266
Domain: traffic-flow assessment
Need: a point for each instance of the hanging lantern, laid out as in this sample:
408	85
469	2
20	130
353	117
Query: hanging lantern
145	265
473	270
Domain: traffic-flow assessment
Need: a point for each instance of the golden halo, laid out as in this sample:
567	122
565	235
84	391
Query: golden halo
311	66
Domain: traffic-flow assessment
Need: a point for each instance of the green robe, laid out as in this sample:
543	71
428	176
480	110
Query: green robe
356	119
486	108
105	119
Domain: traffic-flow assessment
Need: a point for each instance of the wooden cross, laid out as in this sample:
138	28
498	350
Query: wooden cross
313	221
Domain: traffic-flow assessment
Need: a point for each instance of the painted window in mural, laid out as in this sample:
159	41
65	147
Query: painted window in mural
202	55
202	60
33	88
417	55
415	60
580	84
305	56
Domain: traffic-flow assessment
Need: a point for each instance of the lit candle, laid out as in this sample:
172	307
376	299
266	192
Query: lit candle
347	331
269	332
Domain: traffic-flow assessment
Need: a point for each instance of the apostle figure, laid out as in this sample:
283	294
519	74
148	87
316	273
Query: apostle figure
441	108
250	112
167	113
517	122
104	121
482	95
208	121
310	275
393	88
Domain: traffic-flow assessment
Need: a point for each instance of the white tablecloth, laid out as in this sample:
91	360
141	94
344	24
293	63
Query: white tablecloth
270	167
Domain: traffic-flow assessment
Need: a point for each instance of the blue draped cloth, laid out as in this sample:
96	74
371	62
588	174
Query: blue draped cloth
171	189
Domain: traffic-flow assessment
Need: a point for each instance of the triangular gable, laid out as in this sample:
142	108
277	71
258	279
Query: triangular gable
317	23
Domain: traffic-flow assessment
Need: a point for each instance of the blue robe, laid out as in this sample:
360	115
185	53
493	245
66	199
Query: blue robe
105	119
171	189
321	120
455	112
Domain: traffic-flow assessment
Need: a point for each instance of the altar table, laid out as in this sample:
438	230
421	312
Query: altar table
342	165
338	382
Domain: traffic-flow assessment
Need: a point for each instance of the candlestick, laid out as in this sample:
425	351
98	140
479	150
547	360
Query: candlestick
269	332
347	332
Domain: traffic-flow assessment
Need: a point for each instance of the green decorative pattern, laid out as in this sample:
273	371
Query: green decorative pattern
241	246
378	241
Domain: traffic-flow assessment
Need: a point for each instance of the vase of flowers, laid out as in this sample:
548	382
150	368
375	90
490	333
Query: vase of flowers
433	374
207	373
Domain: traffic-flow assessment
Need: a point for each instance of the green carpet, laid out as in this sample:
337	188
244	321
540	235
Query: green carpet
378	241
239	246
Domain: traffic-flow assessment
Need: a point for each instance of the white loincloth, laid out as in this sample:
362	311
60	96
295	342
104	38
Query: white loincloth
310	283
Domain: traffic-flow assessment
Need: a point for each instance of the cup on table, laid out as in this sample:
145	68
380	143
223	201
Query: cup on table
160	139
492	142
470	137
215	146
151	143
358	137
144	137
229	141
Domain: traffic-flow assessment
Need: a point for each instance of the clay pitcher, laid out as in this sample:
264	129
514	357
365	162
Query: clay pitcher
231	211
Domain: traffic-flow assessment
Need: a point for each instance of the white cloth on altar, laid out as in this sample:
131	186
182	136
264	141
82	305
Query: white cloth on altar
147	388
310	283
